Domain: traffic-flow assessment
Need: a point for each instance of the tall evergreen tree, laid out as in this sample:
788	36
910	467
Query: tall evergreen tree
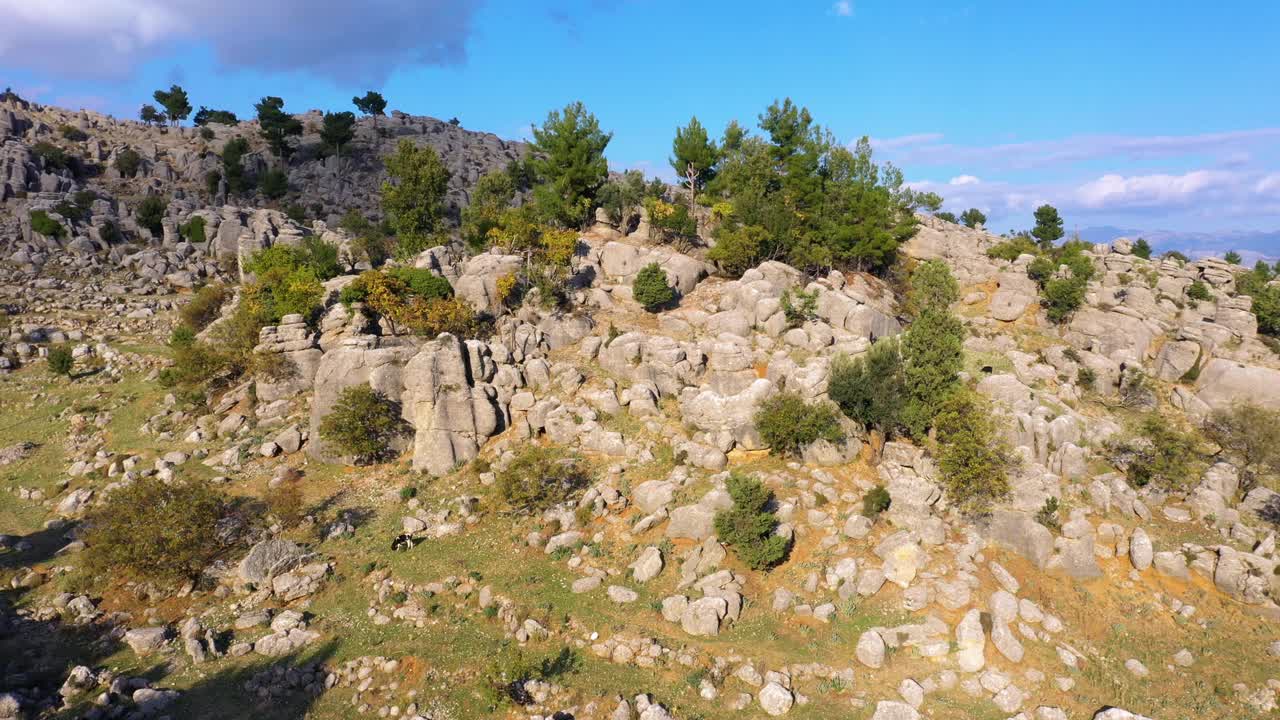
372	104
973	217
149	115
694	157
1048	227
568	161
414	202
277	126
337	130
175	103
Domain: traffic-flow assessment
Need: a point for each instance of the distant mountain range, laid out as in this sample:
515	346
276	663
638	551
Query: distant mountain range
1251	244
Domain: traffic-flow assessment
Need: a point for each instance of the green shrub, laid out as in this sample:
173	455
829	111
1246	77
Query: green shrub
1162	454
972	459
738	248
150	214
932	358
51	156
1047	515
650	288
204	306
72	133
1250	433
932	286
59	360
70	211
182	337
799	306
313	254
788	423
43	224
1061	297
274	184
199	365
540	478
748	527
876	501
1142	249
1198	291
233	152
670	221
165	531
193	230
362	424
1011	249
206	133
423	282
1266	299
870	388
127	162
1086	378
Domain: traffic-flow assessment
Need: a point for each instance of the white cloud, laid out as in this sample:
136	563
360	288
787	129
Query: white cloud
108	39
964	180
1268	185
1150	191
902	141
843	8
927	149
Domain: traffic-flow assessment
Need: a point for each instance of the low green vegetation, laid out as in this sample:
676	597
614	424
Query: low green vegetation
44	225
59	360
157	530
1250	435
540	478
150	213
870	388
204	306
1259	286
1158	453
876	501
973	461
363	424
650	288
413	300
748	527
788	423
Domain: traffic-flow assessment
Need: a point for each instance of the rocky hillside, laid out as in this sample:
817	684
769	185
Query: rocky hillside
48	155
420	587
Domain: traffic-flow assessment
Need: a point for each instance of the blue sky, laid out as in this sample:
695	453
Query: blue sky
1136	114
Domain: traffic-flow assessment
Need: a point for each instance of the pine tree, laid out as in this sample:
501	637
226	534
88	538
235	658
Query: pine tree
175	103
567	159
694	157
415	201
973	217
277	126
1048	227
338	130
372	104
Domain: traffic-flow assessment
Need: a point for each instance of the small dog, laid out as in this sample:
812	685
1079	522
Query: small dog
404	541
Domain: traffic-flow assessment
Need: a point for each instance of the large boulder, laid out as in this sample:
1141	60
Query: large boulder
1016	293
355	362
270	559
452	413
1020	533
734	414
1223	383
478	284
